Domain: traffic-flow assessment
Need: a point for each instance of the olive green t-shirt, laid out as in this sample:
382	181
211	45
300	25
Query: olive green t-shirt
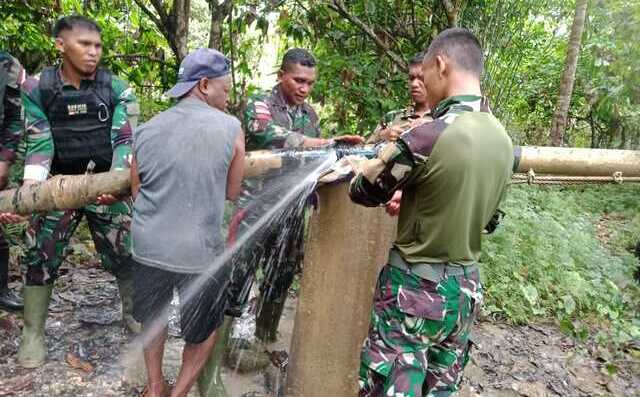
453	173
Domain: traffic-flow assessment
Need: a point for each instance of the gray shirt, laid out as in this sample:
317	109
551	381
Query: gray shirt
183	157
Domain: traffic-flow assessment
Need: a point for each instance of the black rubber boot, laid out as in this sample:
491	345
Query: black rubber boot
268	319
9	300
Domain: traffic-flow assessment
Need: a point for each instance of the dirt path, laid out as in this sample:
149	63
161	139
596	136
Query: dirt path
84	331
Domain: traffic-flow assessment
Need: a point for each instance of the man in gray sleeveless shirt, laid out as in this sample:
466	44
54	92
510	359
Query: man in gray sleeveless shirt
187	160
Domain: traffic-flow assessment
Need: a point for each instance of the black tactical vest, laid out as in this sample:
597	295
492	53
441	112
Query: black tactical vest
80	122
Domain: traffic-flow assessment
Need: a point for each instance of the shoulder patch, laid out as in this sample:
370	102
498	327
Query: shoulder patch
261	106
423	138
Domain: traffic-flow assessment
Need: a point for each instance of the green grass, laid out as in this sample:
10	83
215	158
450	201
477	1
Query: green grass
546	260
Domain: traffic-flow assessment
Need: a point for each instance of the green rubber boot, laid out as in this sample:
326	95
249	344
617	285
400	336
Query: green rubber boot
125	286
209	381
33	350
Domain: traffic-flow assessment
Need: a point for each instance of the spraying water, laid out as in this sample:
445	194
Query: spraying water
278	203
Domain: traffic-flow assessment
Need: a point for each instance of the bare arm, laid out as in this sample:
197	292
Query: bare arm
347	139
135	178
236	169
314	142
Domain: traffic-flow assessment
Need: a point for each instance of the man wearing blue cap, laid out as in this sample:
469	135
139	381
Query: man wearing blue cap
187	160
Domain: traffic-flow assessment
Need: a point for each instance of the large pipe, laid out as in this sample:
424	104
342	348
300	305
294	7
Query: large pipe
75	191
578	162
347	245
62	192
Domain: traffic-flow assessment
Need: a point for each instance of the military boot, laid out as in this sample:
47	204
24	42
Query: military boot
268	319
8	299
125	286
33	351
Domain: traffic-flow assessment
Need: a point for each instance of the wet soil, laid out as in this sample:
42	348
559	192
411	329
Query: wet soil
90	354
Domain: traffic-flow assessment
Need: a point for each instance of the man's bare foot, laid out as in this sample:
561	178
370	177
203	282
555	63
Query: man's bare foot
157	390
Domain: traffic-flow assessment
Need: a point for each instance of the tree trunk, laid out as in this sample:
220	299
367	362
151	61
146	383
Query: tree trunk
219	13
559	123
453	8
180	13
215	33
173	24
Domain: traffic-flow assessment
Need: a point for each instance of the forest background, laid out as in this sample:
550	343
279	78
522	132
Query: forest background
564	254
362	47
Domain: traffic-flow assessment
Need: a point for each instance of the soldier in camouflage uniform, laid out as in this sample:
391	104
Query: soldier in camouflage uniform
78	117
453	173
396	122
279	119
11	126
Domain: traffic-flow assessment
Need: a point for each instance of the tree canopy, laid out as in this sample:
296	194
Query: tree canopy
362	47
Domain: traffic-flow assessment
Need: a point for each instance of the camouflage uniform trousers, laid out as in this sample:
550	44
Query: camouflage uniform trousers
418	343
279	260
48	239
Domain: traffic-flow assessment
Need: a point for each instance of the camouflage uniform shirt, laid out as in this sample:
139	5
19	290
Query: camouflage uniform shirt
12	123
401	118
39	141
270	123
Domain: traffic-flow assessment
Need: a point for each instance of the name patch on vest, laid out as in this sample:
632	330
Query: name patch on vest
75	109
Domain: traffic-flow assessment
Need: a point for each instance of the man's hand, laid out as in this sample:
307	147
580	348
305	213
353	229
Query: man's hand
391	134
393	206
107	199
349	139
8	217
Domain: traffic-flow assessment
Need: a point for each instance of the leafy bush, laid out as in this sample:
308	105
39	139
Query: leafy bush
546	260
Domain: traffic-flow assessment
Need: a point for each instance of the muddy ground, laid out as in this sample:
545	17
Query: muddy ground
91	355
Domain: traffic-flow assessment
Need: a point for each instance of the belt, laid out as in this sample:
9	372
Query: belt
435	272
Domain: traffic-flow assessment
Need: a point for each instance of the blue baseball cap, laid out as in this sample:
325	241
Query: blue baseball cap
203	62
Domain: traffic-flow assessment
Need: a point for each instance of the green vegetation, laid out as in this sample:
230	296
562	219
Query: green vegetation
362	47
562	253
566	253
